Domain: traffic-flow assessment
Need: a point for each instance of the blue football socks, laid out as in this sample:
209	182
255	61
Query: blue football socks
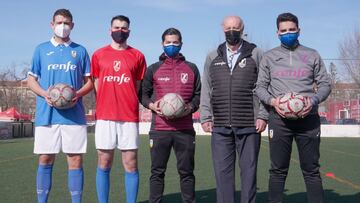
43	182
131	186
76	184
103	184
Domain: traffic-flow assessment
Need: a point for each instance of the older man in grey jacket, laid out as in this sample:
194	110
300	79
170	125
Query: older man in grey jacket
230	110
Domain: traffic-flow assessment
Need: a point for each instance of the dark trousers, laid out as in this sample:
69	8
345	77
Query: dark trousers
306	133
225	142
161	143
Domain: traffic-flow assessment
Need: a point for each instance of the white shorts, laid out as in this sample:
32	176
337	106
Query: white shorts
111	134
72	139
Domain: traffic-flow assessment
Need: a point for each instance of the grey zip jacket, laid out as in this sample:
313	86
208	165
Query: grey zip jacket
300	70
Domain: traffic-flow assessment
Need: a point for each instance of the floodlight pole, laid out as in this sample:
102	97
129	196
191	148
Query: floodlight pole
358	108
21	93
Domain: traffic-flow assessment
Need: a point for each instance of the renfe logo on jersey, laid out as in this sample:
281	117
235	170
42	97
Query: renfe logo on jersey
220	63
66	67
165	79
117	65
119	79
292	73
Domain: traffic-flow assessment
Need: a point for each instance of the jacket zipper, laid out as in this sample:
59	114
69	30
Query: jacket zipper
230	94
291	58
230	89
230	106
173	71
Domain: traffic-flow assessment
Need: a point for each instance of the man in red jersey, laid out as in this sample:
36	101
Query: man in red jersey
117	70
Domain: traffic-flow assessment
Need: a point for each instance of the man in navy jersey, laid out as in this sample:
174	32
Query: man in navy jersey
60	61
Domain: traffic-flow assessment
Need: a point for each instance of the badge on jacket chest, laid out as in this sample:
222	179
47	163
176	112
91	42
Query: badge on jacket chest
242	63
184	78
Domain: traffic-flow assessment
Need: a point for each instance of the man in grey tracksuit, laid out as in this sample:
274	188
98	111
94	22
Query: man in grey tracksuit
230	111
293	67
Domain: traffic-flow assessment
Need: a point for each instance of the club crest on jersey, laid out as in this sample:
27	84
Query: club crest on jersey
117	65
73	53
242	63
271	134
184	78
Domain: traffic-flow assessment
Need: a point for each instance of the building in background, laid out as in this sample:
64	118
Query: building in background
17	94
343	103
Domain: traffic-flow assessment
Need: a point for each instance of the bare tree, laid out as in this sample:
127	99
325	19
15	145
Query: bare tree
11	87
350	53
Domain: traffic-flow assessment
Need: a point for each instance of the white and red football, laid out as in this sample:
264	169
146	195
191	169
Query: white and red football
61	96
292	104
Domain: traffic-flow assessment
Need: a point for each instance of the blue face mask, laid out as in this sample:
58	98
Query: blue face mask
172	50
289	39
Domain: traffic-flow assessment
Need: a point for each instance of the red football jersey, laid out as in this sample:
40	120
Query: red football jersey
117	72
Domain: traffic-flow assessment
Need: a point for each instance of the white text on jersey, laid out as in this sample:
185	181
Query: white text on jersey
65	66
165	79
119	79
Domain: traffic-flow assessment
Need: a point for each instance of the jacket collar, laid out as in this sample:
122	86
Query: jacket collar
52	40
297	44
178	59
246	50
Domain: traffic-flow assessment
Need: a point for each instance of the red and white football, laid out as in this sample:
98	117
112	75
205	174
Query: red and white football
292	103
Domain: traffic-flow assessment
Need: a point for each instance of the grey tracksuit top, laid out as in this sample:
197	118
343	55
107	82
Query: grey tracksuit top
300	70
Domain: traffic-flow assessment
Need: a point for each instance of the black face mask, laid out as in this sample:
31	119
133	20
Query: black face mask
233	37
119	36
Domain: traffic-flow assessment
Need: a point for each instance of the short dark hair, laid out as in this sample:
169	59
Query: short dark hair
63	12
287	17
121	18
171	31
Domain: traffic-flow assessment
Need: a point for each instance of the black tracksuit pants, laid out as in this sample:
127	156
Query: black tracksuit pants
306	133
161	143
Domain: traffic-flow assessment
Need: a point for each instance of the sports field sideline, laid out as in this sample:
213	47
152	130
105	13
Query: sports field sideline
340	161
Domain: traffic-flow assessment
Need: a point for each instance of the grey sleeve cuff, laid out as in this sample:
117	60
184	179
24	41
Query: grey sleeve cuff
263	112
205	103
268	100
203	120
314	100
